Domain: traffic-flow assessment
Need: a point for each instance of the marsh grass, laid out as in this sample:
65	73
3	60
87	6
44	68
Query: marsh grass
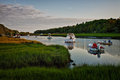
16	40
78	73
29	54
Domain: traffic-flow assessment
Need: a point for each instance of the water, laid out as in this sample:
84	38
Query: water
79	53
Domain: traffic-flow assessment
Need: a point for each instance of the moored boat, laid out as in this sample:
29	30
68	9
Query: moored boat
105	43
95	48
49	36
70	38
17	35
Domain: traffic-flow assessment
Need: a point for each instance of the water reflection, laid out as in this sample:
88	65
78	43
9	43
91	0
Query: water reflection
70	46
97	53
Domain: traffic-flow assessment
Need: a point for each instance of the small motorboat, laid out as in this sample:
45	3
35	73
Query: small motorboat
17	36
49	36
41	34
28	35
105	43
95	49
70	38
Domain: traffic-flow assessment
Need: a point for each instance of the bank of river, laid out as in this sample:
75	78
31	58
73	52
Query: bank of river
18	53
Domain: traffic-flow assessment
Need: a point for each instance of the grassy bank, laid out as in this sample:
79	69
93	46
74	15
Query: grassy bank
112	35
80	73
14	55
22	55
16	40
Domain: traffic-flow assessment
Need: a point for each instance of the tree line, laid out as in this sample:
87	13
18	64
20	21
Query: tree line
96	26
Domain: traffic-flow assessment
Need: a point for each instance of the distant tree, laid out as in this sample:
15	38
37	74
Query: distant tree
96	26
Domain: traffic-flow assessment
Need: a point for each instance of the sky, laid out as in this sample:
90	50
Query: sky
31	15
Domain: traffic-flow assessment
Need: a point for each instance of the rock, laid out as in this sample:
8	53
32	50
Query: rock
74	64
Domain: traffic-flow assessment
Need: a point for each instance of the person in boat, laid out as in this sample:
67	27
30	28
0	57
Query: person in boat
109	41
94	45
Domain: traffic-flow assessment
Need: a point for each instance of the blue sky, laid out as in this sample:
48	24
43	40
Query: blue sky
63	12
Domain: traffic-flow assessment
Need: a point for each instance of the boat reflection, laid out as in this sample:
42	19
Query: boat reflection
70	46
98	53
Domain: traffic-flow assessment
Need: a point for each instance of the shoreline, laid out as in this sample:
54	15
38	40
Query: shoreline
88	37
17	40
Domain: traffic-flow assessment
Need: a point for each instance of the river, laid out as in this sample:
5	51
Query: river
79	53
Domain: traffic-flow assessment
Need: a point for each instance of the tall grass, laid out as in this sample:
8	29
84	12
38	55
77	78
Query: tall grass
16	40
24	55
79	73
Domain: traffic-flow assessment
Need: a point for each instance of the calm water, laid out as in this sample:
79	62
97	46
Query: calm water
79	53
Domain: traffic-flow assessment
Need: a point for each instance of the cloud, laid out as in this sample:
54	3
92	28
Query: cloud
19	11
28	18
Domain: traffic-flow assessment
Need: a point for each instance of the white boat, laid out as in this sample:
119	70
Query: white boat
49	36
17	35
28	35
93	50
70	38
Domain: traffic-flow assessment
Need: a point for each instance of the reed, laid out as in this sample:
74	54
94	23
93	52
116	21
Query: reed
29	54
78	73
